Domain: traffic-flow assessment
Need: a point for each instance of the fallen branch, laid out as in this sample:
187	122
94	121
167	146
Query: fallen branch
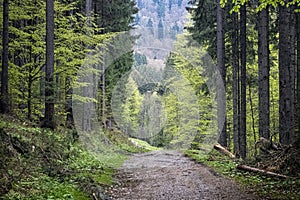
223	150
264	172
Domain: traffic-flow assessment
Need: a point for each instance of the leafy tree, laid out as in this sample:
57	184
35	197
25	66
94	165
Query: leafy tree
130	108
185	89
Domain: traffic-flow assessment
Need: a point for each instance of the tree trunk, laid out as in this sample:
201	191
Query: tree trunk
221	96
103	97
68	97
87	90
223	150
286	107
88	7
293	62
49	81
235	83
4	100
264	73
69	111
298	72
29	90
252	114
261	171
243	43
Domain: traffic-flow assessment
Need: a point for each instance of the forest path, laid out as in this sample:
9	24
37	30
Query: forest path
170	175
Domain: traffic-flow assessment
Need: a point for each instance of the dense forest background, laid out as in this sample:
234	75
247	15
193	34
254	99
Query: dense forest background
55	76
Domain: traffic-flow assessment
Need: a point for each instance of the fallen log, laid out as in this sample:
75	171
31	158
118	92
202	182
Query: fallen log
223	150
261	171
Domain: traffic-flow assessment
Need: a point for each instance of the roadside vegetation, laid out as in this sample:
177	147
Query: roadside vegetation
264	186
42	164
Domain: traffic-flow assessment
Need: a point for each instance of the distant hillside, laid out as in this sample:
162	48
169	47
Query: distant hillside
158	22
171	13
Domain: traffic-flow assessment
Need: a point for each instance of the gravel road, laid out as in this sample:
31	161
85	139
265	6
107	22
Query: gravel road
170	175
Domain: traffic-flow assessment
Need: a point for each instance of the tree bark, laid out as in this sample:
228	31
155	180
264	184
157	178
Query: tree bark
243	43
49	81
223	150
221	95
4	100
69	97
103	117
235	83
252	114
293	63
298	72
264	172
87	90
286	107
69	110
264	73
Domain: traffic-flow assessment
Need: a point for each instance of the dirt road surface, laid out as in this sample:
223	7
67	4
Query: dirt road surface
160	175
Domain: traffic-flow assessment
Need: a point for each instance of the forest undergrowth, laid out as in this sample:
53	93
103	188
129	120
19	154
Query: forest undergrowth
42	164
284	160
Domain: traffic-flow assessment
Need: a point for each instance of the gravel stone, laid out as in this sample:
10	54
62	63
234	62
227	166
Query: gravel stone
160	175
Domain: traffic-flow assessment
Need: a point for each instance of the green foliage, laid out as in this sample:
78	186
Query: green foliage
131	107
143	144
265	187
44	187
27	47
42	164
115	16
204	27
188	100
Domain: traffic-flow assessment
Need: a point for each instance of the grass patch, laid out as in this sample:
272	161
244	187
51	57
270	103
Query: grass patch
265	187
143	144
44	187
